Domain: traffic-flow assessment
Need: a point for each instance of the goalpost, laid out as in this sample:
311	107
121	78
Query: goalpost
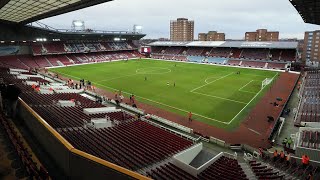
265	82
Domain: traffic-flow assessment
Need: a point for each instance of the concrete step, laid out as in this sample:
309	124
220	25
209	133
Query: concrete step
248	171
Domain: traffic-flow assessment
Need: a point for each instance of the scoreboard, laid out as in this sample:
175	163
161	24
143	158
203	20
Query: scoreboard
145	50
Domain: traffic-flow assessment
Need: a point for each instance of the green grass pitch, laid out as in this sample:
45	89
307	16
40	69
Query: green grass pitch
216	95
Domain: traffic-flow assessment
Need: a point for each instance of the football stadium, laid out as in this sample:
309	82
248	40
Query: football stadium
82	103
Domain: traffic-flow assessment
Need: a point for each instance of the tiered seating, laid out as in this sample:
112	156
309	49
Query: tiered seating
236	53
216	60
220	52
22	152
173	50
54	47
195	58
64	59
168	57
53	60
157	56
12	62
275	54
288	55
169	171
276	65
37	79
105	46
64	117
233	62
29	61
194	51
265	172
224	168
254	54
180	58
157	50
41	61
51	99
310	139
37	49
290	170
309	110
253	64
132	145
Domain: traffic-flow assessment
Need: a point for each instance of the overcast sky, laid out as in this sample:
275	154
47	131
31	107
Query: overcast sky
233	17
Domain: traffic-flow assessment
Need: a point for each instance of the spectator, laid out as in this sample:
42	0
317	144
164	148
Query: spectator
190	116
121	98
275	155
133	99
261	153
288	158
284	142
305	161
289	142
115	95
282	156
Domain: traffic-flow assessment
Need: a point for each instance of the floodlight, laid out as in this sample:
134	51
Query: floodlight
78	23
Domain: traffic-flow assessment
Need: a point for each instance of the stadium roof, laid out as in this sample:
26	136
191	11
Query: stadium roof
309	10
230	44
26	11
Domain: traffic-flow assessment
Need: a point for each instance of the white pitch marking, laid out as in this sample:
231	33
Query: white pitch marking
220	98
245	85
183	109
247	92
211	82
250	101
254	131
153	101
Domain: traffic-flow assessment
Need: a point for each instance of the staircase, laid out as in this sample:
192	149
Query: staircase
60	63
240	63
266	65
48	61
248	171
23	63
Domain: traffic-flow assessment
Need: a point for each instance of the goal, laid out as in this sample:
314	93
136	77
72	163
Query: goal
265	82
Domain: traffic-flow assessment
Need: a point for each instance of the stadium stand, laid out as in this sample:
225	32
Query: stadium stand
224	168
255	56
29	166
258	54
309	102
220	52
132	140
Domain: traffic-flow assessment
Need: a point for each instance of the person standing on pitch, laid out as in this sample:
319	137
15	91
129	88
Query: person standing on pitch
190	116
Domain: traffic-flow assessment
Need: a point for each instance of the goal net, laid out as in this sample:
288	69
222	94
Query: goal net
265	82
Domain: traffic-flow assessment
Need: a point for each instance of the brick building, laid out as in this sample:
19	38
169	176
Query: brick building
262	35
181	30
